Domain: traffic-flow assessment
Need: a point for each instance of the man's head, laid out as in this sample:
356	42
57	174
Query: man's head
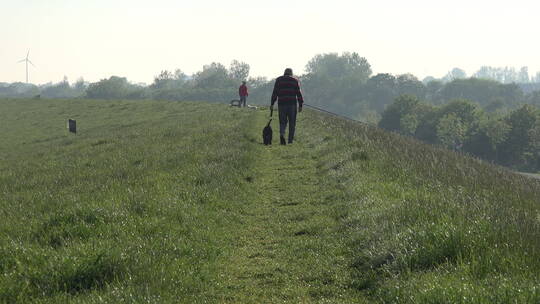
244	82
288	72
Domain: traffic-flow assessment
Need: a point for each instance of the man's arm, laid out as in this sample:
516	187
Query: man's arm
299	97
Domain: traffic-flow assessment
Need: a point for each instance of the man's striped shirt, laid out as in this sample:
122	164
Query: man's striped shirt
287	91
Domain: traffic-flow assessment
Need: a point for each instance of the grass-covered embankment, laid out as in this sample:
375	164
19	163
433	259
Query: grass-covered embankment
179	202
427	225
138	206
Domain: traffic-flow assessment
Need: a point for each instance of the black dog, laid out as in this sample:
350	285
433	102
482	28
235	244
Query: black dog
267	134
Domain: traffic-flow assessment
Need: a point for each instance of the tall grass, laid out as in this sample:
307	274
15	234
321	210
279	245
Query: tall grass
427	225
134	208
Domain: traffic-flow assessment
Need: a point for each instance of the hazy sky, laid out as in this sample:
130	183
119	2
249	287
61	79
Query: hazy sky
137	39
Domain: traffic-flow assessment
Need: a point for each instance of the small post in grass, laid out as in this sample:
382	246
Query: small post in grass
72	125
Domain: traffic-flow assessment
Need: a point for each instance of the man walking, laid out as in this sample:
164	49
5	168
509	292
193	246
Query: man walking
287	93
243	92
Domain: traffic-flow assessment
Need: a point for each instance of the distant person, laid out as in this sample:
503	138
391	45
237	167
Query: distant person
289	96
243	92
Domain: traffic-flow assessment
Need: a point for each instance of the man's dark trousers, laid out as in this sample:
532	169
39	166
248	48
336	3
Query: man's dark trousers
287	113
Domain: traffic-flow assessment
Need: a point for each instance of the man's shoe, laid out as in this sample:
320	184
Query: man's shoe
282	140
290	141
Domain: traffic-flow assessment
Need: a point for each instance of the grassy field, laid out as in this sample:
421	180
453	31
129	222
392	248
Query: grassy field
169	202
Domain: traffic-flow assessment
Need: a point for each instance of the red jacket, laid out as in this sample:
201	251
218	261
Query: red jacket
243	91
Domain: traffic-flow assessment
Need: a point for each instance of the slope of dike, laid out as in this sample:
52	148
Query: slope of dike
179	202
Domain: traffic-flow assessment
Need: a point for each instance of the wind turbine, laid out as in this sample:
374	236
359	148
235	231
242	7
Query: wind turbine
27	61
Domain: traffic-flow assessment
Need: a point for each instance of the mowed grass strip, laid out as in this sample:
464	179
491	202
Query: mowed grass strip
290	247
137	207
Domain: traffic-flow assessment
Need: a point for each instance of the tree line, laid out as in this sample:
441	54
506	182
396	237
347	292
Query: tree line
342	83
500	74
214	83
509	138
493	114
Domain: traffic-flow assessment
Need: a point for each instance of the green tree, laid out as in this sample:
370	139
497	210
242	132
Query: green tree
455	73
381	90
163	81
80	85
534	137
451	131
496	131
60	90
482	91
114	88
428	79
167	80
408	84
502	75
534	98
433	91
214	76
408	124
336	82
260	89
180	77
333	66
239	71
518	142
429	119
404	106
467	111
495	105
523	75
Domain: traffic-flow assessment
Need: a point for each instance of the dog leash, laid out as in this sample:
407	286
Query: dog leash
334	114
327	112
